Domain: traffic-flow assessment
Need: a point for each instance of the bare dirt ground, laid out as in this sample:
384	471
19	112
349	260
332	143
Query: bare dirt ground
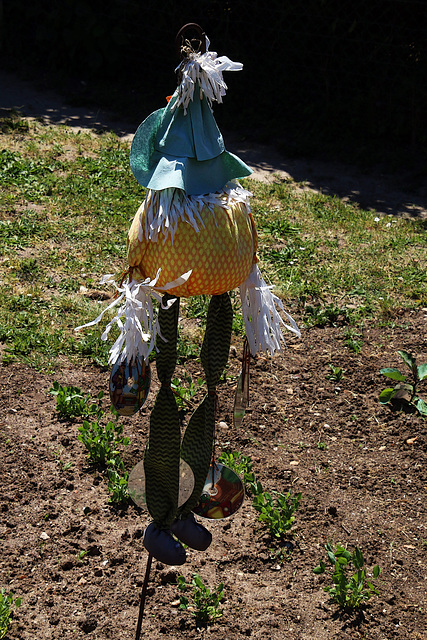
365	485
361	469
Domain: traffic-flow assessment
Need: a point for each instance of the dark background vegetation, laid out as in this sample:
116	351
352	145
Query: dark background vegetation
333	78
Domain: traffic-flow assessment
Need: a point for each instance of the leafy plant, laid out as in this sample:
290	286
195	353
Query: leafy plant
318	316
322	446
102	442
71	403
117	484
405	394
349	592
336	374
242	465
7	602
206	603
277	511
352	340
184	394
239	463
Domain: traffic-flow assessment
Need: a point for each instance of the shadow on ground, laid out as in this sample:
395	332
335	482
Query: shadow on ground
397	195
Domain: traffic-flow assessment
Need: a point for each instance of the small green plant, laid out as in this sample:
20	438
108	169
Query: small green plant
206	603
118	484
71	403
322	446
184	394
336	374
277	512
7	602
102	442
349	592
239	463
242	465
405	394
281	553
317	316
352	340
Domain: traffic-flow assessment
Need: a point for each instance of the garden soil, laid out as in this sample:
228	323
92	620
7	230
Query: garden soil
360	467
79	563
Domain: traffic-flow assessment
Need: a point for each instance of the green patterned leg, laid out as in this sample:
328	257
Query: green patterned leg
161	460
197	443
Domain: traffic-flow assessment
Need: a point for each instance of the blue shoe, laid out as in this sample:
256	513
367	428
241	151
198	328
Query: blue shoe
192	533
161	544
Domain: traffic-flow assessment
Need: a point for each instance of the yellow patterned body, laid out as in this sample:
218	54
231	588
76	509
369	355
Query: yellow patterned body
220	254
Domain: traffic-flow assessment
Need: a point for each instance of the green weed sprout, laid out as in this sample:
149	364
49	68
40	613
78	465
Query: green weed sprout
242	465
405	394
118	485
206	603
277	512
102	442
71	403
6	606
183	394
336	374
239	463
348	592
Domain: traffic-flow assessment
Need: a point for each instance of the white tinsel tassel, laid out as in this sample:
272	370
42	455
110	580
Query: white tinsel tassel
204	69
164	209
261	316
135	317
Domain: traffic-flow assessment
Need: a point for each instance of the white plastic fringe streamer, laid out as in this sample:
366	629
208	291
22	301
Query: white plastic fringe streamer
262	319
163	209
135	317
205	69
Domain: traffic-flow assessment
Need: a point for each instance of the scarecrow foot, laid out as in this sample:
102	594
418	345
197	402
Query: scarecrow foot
161	544
191	533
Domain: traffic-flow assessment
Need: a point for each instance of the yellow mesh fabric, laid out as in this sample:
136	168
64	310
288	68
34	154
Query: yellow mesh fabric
220	254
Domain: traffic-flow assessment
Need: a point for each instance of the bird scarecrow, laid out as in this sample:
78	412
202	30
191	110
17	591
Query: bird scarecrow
193	234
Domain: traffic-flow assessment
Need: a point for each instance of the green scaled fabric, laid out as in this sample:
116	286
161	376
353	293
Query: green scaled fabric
196	448
184	151
161	460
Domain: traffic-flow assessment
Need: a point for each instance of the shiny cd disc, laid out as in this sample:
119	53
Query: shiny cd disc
222	494
136	483
129	385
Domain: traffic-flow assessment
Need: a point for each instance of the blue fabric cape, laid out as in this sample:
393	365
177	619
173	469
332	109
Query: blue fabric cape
187	152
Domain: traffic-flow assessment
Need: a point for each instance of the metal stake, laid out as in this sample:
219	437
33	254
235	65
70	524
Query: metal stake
143	596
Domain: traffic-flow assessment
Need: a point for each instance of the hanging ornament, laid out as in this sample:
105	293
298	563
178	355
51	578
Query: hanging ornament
222	494
129	385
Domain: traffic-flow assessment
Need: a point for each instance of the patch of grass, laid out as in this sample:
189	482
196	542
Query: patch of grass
336	259
67	200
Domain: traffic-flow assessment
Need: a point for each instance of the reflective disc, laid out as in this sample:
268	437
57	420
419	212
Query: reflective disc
129	386
136	483
222	494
